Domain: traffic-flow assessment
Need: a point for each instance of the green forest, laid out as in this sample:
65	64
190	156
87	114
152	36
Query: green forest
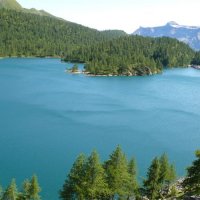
196	59
115	178
110	52
132	55
25	34
29	191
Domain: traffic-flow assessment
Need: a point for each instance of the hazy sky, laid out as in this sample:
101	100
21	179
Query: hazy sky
126	15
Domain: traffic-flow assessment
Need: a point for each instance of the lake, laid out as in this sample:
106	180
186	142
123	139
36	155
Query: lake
48	117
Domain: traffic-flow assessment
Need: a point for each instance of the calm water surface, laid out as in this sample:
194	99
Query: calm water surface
47	117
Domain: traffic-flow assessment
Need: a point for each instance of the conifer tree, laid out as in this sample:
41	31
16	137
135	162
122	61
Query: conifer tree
34	188
167	175
25	194
117	175
96	186
164	169
11	192
171	174
167	171
152	184
191	183
133	185
74	185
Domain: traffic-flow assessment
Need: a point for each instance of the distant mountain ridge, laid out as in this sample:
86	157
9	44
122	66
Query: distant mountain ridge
187	34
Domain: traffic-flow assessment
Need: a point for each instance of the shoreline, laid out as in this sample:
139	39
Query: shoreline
107	75
132	75
3	57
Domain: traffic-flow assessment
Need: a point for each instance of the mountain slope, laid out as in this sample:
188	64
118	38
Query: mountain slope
188	34
14	5
114	33
10	4
25	34
37	12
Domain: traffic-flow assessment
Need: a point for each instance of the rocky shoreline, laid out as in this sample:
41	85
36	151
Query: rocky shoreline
175	192
86	73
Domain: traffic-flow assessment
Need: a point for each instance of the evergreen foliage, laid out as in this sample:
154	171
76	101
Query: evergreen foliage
192	181
74	185
152	184
11	191
30	191
115	179
90	179
133	187
25	194
25	34
132	55
159	177
196	59
74	68
167	171
96	186
117	175
114	33
34	188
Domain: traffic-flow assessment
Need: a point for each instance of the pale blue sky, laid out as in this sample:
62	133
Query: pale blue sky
126	15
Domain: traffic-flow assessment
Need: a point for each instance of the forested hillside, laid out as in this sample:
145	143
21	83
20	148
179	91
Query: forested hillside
110	52
24	34
132	55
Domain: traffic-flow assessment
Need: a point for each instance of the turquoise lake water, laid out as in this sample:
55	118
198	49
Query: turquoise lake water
48	117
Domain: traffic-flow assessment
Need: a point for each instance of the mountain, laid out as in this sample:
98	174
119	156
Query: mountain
187	34
10	4
26	34
14	5
37	12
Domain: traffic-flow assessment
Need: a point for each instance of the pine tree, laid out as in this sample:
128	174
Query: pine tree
11	192
152	184
34	188
26	186
164	169
74	185
191	183
96	186
117	174
167	171
167	174
25	194
171	174
133	184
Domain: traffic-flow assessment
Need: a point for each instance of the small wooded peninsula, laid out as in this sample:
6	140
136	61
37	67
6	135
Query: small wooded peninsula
132	55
